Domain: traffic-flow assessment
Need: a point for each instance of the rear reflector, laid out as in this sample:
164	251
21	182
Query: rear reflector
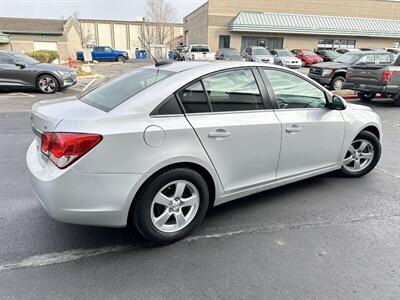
387	75
64	148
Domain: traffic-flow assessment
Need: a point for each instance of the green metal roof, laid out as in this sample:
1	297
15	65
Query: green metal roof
311	24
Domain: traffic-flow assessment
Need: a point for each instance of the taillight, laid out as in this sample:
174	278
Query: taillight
387	75
64	148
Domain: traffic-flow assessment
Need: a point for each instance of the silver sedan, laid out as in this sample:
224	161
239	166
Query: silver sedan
159	146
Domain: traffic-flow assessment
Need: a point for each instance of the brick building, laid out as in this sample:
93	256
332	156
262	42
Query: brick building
295	24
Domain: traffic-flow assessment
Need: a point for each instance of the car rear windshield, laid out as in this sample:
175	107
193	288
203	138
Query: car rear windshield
111	94
348	58
309	53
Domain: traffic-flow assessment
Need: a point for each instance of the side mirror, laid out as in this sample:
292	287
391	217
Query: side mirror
336	102
21	65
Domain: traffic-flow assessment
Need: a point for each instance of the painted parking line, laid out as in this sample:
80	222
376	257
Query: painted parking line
16	95
78	254
87	86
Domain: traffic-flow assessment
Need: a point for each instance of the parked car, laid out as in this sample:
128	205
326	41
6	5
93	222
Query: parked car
258	54
307	57
344	50
377	78
21	71
178	52
157	147
394	51
285	58
105	53
199	52
228	54
328	55
333	74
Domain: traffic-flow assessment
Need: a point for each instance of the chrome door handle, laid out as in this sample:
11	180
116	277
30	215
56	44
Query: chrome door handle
219	133
293	129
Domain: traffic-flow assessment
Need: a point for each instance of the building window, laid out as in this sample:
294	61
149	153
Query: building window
336	44
224	41
268	42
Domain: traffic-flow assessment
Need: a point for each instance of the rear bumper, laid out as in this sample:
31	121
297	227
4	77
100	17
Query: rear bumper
85	199
382	89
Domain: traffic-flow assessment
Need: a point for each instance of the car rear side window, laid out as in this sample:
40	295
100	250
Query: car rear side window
234	90
194	99
293	92
111	94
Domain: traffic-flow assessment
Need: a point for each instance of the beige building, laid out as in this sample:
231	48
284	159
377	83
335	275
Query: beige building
124	35
26	35
71	35
295	24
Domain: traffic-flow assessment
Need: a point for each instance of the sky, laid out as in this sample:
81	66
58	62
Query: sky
88	9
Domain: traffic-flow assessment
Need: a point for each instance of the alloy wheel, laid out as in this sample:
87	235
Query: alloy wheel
359	156
338	85
175	206
47	84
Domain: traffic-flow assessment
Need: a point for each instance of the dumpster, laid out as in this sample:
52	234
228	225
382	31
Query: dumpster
141	54
171	55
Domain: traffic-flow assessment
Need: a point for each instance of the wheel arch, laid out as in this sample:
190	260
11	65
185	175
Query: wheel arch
203	171
340	72
372	129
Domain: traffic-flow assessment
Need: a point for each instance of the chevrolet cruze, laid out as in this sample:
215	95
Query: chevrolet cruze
157	147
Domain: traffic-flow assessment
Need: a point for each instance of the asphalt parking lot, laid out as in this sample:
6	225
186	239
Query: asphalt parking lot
322	238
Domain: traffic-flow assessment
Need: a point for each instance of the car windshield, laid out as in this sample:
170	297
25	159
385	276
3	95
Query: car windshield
260	51
308	53
231	52
348	58
284	53
26	59
199	49
111	94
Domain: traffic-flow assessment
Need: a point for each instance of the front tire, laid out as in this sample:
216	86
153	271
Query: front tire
337	83
121	59
171	205
366	97
47	84
362	156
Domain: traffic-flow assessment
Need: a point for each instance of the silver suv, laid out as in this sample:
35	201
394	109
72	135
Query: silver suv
258	54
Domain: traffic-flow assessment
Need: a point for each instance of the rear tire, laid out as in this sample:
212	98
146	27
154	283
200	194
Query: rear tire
359	160
175	218
366	97
397	100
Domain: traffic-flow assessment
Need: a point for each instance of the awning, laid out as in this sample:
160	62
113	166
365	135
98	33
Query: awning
321	25
4	38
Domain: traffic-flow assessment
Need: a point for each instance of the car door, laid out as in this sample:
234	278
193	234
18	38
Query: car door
312	134
109	54
12	74
99	53
236	125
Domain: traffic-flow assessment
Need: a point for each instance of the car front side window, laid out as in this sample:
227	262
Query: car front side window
234	90
293	92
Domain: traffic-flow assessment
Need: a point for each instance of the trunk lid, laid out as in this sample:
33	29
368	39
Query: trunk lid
47	115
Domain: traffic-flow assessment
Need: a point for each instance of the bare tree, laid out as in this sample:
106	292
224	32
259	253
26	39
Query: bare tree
160	14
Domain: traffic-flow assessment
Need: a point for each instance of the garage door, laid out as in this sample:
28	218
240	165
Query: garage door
45	46
268	42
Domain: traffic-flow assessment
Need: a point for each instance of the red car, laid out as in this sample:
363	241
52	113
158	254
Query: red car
307	57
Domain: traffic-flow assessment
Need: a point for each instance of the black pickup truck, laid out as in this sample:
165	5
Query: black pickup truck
371	79
333	74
